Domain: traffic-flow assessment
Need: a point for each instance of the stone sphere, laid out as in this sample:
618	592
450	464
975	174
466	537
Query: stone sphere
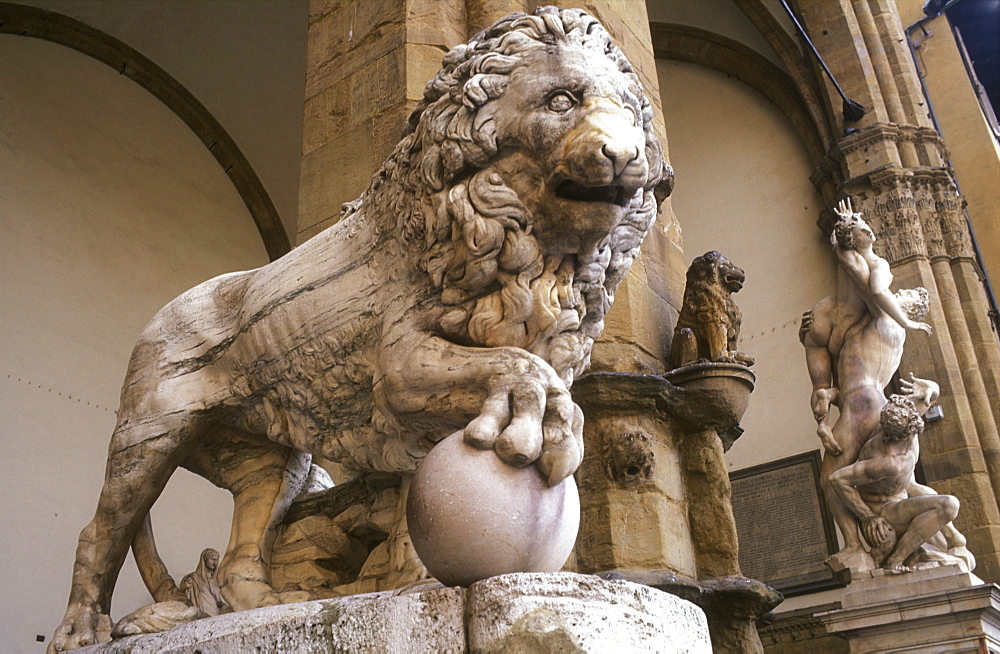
472	516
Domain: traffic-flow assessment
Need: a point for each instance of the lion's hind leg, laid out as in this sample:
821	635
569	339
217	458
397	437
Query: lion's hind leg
684	348
264	477
142	457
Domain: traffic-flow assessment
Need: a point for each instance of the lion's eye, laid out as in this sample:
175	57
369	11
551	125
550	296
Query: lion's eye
561	102
636	116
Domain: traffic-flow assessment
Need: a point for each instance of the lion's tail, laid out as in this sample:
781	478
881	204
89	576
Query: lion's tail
151	567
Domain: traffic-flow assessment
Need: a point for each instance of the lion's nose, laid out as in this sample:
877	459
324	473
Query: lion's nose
620	155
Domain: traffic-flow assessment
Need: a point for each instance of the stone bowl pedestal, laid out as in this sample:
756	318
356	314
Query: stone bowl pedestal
717	394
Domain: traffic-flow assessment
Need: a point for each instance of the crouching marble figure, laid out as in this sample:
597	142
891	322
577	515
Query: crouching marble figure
905	523
463	289
854	343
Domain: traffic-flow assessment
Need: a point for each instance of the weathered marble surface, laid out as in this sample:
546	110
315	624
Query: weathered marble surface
578	613
430	621
855	338
463	289
527	612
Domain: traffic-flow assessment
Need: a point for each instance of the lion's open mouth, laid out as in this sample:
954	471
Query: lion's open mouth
571	190
734	283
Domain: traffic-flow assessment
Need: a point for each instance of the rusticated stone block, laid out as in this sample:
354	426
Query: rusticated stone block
430	621
325	187
567	612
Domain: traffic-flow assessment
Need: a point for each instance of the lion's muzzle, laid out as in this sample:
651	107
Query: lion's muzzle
605	158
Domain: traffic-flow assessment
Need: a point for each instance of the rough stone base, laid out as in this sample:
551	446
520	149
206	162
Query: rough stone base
567	612
942	609
524	612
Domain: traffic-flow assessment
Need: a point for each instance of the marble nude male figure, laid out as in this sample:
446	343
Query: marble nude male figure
854	343
904	522
464	289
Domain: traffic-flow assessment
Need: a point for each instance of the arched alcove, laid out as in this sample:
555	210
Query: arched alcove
35	22
743	188
110	207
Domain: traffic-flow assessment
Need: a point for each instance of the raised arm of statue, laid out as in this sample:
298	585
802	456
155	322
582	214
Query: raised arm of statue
885	300
922	392
869	272
845	211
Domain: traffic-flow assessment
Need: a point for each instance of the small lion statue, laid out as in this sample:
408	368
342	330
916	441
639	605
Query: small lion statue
708	327
463	289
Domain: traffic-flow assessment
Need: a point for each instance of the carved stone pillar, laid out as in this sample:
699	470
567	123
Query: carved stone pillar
656	500
895	165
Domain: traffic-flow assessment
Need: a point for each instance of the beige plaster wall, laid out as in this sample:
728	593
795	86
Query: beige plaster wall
242	59
109	207
743	189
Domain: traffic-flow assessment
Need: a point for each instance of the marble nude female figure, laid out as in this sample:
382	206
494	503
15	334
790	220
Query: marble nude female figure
854	342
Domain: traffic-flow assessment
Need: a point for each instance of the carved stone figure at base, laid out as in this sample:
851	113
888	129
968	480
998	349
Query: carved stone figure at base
201	587
202	600
905	523
708	327
463	289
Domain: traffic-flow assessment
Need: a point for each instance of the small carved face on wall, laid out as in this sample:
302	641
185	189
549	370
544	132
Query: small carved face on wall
628	457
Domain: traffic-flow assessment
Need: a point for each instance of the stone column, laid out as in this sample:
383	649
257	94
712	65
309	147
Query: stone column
894	163
367	62
655	497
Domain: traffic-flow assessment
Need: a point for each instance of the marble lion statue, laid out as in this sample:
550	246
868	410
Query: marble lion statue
463	289
708	327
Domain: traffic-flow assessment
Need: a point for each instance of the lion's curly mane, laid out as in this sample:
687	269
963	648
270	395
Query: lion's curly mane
472	235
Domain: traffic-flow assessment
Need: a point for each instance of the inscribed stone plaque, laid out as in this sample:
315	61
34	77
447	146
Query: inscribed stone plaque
784	530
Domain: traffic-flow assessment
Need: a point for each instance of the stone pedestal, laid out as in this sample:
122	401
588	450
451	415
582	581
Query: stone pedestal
935	610
523	612
655	492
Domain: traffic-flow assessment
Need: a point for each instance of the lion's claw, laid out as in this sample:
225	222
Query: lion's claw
526	420
484	430
82	626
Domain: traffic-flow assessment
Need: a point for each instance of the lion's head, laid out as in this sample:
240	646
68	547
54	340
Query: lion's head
525	181
711	279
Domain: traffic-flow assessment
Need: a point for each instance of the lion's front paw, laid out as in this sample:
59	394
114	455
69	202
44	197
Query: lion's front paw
529	416
82	625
